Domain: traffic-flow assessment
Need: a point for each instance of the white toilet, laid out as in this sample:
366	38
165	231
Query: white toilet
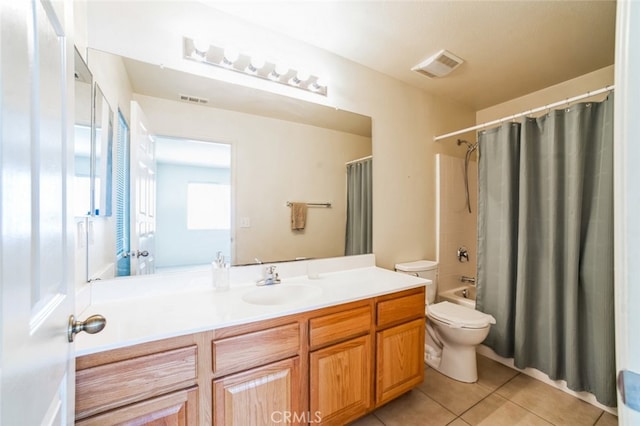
453	331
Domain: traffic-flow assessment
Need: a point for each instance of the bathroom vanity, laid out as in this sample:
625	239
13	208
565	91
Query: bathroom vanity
350	344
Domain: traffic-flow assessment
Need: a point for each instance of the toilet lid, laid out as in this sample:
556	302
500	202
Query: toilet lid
459	316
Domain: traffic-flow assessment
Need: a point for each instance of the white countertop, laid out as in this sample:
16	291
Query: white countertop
169	305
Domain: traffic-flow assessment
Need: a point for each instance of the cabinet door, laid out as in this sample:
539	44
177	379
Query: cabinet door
176	409
399	359
267	395
341	381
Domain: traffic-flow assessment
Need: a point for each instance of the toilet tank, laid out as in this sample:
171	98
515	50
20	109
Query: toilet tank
424	269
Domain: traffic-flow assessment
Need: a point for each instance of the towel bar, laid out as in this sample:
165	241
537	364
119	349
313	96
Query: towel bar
313	204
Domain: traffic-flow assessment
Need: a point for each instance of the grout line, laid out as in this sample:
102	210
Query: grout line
599	417
539	415
488	395
425	394
508	381
379	419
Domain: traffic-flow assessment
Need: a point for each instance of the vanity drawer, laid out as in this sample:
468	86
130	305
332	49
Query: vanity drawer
119	383
401	309
253	349
340	326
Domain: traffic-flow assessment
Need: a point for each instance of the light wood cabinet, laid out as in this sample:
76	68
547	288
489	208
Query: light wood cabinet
399	344
174	409
341	363
399	360
328	366
257	372
152	383
340	379
267	395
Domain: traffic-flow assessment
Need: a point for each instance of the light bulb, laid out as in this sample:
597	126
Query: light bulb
303	76
319	85
299	78
230	56
256	63
201	46
278	71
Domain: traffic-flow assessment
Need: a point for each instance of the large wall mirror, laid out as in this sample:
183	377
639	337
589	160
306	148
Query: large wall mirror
102	154
278	150
93	141
82	137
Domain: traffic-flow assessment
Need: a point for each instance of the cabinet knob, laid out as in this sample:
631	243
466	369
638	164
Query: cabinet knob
92	325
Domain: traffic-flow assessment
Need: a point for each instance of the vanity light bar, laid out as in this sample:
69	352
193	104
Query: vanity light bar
254	66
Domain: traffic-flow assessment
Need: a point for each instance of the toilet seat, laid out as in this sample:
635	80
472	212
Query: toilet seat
457	316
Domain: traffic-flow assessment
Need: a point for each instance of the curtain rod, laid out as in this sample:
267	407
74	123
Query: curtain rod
358	159
531	111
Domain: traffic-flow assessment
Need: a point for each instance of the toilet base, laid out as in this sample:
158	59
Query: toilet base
460	366
459	363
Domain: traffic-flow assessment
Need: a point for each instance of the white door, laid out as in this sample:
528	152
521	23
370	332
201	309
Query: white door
36	278
143	193
627	205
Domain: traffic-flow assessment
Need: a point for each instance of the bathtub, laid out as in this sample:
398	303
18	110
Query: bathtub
465	295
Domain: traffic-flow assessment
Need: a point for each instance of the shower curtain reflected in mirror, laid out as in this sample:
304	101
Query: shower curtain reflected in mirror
545	244
358	238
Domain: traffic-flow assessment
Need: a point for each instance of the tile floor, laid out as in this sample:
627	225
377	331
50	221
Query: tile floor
501	396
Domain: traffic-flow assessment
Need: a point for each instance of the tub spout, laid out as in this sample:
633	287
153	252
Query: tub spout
470	280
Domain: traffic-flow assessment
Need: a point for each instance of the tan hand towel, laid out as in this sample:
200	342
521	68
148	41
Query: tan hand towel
298	216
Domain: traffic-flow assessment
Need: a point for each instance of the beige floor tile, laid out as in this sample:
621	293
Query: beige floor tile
369	420
607	420
414	409
549	403
458	422
492	374
497	411
455	396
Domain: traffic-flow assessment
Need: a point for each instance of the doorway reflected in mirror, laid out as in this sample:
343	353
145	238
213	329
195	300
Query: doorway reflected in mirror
193	202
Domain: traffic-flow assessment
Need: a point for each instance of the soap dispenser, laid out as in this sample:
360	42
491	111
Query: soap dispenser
220	271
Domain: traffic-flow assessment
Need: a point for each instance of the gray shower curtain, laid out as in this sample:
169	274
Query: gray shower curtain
545	244
359	208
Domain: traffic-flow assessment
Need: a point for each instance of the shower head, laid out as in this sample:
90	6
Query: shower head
470	147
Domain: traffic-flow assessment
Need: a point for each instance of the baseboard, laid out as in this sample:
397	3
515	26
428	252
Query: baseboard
539	375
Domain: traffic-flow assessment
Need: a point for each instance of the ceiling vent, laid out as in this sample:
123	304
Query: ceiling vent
193	99
438	65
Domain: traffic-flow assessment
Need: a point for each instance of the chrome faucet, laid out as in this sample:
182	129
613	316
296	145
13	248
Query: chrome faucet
269	276
466	279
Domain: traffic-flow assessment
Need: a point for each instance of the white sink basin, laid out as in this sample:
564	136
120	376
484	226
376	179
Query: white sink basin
280	294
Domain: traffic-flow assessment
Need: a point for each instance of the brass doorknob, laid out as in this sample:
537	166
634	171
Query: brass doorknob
92	325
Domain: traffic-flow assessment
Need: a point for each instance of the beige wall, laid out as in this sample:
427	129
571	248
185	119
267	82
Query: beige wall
405	119
456	226
570	88
275	161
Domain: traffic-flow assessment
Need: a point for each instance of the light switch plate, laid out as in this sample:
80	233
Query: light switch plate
629	387
245	222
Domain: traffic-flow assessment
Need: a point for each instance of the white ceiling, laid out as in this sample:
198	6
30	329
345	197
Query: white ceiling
510	48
